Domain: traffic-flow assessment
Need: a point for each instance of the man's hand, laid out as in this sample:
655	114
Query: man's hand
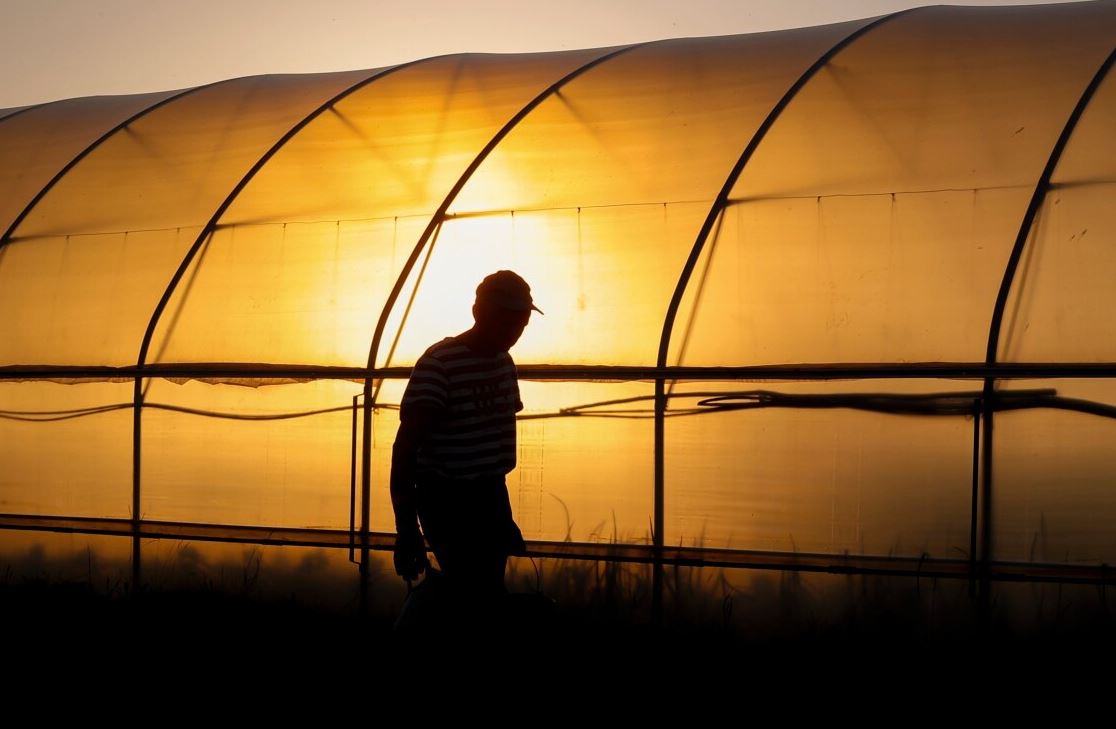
415	424
410	556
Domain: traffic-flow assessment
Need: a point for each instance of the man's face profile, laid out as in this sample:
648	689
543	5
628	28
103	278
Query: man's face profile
500	326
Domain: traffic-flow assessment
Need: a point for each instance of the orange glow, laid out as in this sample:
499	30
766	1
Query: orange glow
871	225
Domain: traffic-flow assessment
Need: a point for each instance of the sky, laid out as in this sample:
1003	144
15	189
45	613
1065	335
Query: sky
57	49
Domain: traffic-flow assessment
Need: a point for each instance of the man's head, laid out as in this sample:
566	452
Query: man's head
502	309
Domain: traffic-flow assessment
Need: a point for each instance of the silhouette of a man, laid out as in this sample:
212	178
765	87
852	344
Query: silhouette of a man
456	443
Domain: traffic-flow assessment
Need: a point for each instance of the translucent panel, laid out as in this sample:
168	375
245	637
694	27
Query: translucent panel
657	128
941	98
38	143
901	169
819	480
585	478
1054	497
174	166
84	299
594	271
1061	304
396	146
286	293
303	292
661	123
907	278
58	457
292	472
872	225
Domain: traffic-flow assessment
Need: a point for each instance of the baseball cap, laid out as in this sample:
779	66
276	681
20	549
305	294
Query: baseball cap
507	289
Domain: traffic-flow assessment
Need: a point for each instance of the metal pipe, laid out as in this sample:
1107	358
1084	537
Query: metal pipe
695	253
1006	283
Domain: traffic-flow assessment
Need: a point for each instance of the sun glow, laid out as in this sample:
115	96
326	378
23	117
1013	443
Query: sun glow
463	251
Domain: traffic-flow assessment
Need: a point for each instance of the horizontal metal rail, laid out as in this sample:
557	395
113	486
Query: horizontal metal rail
908	566
809	371
707	402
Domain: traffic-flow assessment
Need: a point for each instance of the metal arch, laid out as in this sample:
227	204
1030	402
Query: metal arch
145	345
436	221
211	225
987	408
20	110
699	244
1037	198
6	238
30	107
440	213
753	144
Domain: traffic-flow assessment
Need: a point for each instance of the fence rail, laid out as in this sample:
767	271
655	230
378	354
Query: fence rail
897	566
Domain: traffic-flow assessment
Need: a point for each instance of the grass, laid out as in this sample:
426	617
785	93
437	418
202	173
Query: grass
245	600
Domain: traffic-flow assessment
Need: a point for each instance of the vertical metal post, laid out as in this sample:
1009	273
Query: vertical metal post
988	407
996	324
352	480
365	493
137	572
977	405
137	420
434	224
658	533
204	235
703	235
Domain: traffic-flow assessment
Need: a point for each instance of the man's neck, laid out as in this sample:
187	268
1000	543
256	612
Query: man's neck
477	343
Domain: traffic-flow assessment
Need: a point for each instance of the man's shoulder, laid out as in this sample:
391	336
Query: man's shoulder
441	351
453	352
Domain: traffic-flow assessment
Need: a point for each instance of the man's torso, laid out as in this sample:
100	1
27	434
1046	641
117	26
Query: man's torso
476	398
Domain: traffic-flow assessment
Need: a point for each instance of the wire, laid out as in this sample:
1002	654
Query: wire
932	404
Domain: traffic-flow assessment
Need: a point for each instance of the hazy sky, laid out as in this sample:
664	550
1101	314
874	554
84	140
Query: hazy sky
53	49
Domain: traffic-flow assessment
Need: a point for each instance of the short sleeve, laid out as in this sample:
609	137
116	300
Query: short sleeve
515	385
428	386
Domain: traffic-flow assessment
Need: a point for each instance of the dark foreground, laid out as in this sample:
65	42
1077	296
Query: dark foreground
888	630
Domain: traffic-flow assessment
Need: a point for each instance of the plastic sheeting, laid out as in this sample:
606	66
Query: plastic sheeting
37	144
871	226
874	222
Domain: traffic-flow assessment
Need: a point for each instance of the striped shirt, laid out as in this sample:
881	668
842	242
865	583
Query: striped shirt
477	397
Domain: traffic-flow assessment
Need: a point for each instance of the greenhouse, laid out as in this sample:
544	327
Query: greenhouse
841	293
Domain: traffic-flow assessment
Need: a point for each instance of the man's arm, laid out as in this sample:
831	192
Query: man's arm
416	422
415	425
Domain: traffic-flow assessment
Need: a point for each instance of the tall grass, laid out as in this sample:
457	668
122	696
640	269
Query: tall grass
302	597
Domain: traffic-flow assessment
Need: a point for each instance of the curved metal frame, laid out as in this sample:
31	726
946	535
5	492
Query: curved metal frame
203	236
695	253
990	370
6	238
1041	188
435	222
19	110
439	215
1025	226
